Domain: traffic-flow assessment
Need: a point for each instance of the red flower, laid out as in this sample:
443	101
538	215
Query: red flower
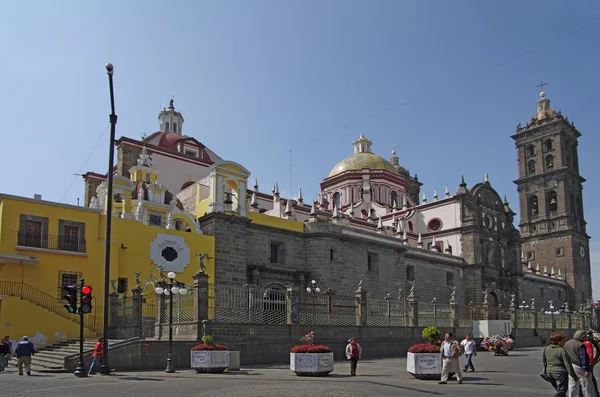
424	348
311	349
202	346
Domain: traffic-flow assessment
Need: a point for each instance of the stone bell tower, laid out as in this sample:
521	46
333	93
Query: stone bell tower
552	225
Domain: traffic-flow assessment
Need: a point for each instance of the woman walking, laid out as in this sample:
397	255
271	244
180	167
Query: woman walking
353	352
558	364
97	355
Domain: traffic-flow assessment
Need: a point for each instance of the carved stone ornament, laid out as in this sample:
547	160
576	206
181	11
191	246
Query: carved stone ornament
532	188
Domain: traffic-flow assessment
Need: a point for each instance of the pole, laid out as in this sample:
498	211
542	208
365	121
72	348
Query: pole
80	370
170	368
109	201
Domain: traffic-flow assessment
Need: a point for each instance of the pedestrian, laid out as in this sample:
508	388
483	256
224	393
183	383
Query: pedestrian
24	351
450	351
577	352
97	354
589	346
354	353
3	352
557	365
470	348
6	357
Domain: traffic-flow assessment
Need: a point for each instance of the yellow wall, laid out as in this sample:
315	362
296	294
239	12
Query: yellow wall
272	221
45	274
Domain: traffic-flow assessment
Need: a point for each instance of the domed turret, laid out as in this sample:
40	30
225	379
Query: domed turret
363	158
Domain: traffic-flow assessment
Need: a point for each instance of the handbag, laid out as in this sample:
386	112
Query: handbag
544	375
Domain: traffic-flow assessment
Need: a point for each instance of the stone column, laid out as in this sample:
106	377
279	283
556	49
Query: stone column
361	306
499	311
293	304
513	315
454	313
413	303
137	309
534	318
200	288
160	309
485	310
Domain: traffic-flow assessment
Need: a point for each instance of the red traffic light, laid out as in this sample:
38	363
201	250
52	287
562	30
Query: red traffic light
86	290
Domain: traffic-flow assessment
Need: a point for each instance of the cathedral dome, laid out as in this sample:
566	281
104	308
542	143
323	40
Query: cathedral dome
361	160
169	140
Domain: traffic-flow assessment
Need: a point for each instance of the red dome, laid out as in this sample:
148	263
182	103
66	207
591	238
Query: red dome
169	141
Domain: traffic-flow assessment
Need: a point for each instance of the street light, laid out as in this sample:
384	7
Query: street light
313	287
173	287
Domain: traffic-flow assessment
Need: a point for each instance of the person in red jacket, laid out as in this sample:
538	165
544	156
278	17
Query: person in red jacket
97	355
592	357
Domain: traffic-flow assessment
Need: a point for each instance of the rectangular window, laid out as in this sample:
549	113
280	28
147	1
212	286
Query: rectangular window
531	256
155	219
33	231
560	252
450	279
331	254
274	253
122	286
190	153
67	278
33	234
372	262
71	236
410	273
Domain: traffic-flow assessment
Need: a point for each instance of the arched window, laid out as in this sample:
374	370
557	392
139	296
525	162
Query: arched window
363	214
531	166
337	200
532	206
530	150
167	126
174	127
551	202
549	162
410	226
548	145
187	184
393	198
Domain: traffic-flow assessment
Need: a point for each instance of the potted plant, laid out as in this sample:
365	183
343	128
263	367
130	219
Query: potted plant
209	357
423	360
308	359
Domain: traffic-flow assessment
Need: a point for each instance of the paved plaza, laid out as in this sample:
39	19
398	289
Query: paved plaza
516	374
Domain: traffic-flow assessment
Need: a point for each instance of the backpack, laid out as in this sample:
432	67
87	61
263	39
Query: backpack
460	350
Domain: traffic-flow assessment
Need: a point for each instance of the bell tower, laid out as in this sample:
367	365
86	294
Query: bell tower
170	120
552	225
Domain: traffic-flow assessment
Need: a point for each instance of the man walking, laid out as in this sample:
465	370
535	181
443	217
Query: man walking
24	351
6	357
577	352
450	351
470	351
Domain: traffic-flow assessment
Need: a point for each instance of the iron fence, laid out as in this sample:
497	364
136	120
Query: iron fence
247	304
327	309
183	308
434	314
387	312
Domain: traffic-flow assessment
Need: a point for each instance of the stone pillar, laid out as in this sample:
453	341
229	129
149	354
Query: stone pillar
200	288
569	321
485	310
137	309
127	206
160	309
454	313
361	306
413	320
499	311
534	318
513	315
293	304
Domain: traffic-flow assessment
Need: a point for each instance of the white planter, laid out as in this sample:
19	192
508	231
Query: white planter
209	361
234	361
311	364
426	366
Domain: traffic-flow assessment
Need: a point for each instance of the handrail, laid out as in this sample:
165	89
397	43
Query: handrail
44	300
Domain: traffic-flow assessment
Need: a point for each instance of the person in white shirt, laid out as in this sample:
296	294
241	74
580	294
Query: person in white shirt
470	351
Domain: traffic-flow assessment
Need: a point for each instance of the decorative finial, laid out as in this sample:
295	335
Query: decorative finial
541	87
433	244
435	194
379	223
288	207
171	107
313	210
447	192
399	227
254	201
462	181
404	237
336	212
486	178
424	198
394	149
420	241
256	184
300	199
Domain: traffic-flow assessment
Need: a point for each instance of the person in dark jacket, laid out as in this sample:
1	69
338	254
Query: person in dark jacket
577	352
24	351
4	350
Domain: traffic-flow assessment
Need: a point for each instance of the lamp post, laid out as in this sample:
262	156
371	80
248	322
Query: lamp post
313	288
105	369
552	311
173	287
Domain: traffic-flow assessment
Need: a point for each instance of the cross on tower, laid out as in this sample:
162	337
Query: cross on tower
541	85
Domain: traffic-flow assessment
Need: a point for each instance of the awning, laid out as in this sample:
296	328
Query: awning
18	259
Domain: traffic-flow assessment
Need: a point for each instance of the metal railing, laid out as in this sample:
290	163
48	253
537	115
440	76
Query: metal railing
247	304
45	301
323	309
51	242
387	312
434	314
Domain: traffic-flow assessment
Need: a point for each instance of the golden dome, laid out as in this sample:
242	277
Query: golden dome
361	160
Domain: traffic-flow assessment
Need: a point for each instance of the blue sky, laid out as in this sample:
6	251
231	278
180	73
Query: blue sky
255	79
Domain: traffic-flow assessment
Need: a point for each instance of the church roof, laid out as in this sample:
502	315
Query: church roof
358	161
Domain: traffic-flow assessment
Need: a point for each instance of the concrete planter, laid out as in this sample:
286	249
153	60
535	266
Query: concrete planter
234	361
425	366
209	361
311	364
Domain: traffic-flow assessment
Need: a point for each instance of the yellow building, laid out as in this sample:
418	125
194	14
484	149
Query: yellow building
45	246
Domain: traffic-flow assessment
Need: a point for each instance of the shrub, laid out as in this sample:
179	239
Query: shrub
208	340
204	346
432	334
424	348
311	349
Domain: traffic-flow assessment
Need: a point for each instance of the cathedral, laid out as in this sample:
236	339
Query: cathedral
372	224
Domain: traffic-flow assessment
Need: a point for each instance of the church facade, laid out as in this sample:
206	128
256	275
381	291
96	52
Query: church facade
372	224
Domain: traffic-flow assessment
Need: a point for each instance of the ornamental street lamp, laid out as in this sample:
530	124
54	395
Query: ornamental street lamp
173	287
313	287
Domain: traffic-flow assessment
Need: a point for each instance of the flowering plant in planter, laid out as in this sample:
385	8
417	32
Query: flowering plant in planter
209	357
308	359
424	348
423	360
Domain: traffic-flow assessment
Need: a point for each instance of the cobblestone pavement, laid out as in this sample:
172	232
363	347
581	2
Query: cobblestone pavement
516	374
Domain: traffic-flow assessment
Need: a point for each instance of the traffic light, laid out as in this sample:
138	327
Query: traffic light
70	295
86	299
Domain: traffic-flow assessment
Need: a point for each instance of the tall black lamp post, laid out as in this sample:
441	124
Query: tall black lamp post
173	287
105	370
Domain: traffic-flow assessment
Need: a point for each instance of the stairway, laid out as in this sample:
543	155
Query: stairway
52	358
